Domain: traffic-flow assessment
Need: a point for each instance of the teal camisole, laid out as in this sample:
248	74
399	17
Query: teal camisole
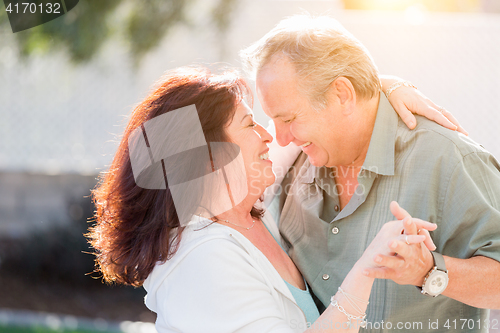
305	302
302	297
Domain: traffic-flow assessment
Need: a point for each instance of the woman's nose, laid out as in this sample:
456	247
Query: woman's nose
264	134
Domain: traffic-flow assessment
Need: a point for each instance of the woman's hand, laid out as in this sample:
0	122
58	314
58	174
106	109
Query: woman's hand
391	236
407	100
406	258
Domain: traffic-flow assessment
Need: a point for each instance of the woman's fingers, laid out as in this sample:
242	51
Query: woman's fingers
395	244
399	246
421	224
398	212
451	118
377	272
406	115
440	118
389	261
408	101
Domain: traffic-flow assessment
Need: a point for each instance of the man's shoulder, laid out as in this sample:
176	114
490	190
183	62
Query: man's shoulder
435	140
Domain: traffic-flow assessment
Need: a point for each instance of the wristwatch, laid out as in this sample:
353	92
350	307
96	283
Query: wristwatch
436	281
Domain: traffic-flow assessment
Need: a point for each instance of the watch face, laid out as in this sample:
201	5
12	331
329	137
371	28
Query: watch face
436	283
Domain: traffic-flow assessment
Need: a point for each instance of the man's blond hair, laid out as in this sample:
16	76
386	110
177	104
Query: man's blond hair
321	50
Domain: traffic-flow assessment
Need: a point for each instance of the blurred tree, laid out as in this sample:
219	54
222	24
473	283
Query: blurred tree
142	24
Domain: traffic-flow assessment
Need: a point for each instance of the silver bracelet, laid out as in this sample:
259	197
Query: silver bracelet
396	85
350	317
351	298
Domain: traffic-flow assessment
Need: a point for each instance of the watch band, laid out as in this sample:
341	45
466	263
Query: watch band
439	264
439	261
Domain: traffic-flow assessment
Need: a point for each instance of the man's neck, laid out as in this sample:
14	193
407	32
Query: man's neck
346	176
365	123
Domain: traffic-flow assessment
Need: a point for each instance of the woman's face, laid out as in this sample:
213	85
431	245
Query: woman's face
252	139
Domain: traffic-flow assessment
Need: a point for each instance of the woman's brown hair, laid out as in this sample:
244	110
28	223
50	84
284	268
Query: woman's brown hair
135	227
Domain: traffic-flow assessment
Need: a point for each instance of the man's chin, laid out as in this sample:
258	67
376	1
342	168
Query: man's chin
317	162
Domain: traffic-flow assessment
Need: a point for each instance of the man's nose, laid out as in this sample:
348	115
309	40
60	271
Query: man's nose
283	134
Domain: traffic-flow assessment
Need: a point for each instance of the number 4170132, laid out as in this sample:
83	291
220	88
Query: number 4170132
33	8
471	324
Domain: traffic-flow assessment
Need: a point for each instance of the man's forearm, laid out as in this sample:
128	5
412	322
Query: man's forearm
474	281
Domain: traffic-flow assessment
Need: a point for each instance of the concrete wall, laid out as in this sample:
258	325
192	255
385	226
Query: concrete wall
34	201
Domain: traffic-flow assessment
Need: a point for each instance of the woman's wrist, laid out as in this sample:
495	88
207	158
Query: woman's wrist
388	80
357	280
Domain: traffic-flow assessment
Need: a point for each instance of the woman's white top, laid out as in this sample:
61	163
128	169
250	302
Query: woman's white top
218	281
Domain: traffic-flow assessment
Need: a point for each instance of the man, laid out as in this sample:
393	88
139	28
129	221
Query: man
320	87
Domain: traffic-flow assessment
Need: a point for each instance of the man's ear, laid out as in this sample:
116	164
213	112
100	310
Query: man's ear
343	91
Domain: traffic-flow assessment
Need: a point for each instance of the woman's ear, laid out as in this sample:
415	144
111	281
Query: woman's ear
344	93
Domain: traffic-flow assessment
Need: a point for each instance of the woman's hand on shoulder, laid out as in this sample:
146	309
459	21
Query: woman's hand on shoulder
408	101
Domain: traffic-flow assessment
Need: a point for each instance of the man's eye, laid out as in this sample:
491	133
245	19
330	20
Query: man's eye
252	125
287	121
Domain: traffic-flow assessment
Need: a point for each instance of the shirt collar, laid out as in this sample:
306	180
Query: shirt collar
308	172
380	156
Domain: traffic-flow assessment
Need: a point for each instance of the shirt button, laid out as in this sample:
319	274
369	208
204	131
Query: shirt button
326	277
335	230
336	208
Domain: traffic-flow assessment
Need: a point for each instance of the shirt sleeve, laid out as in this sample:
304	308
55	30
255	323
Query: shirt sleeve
471	209
216	288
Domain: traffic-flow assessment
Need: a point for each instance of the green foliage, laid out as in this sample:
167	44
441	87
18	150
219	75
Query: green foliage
150	21
222	13
84	29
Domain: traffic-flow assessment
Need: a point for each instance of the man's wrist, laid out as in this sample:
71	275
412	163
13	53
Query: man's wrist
429	265
436	280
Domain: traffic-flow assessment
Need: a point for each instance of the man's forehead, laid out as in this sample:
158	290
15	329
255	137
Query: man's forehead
278	88
278	68
282	112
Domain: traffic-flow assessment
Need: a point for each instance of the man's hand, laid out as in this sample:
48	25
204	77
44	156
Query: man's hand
407	263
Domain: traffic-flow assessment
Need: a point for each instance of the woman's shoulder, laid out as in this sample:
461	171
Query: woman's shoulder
200	245
211	258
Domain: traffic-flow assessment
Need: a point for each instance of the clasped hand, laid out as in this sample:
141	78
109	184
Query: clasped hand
401	249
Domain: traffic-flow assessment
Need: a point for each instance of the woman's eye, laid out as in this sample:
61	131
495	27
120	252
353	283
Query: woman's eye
287	121
252	125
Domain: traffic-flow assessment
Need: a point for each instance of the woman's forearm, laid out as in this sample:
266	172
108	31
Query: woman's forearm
358	285
332	320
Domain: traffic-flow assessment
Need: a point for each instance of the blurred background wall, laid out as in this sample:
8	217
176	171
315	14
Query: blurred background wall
61	112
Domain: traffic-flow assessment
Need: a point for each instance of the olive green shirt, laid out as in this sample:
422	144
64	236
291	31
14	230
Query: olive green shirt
435	174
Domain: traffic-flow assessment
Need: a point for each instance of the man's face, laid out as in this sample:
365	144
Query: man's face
316	132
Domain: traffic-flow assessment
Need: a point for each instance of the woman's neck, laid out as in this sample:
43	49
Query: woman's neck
240	214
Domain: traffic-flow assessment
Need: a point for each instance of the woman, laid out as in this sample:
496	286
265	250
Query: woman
222	271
